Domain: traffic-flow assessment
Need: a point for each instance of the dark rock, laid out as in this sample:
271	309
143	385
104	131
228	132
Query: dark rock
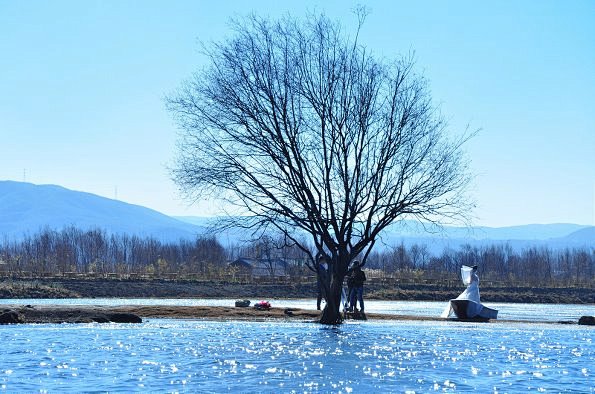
124	318
355	315
242	303
101	319
587	321
81	320
288	311
9	317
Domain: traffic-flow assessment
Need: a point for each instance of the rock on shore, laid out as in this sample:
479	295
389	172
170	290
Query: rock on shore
64	314
9	316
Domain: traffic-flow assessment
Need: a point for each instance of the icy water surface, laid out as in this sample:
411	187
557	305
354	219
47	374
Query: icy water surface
200	356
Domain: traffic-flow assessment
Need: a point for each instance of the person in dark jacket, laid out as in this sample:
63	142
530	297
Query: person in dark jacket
349	278
356	279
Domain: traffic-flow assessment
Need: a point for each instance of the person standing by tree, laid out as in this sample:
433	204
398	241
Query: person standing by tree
357	278
349	277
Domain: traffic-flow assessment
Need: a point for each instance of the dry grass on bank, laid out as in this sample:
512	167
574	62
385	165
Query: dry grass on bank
34	289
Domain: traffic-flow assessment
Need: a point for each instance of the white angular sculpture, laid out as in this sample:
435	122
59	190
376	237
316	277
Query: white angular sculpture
468	304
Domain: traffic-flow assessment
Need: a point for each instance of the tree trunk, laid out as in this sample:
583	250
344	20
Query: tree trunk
332	310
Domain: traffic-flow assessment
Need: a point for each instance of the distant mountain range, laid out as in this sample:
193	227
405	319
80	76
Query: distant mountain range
408	232
26	208
553	236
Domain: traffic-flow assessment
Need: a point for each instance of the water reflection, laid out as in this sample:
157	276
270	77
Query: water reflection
169	355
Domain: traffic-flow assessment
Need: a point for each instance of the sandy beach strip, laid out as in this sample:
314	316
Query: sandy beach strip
136	313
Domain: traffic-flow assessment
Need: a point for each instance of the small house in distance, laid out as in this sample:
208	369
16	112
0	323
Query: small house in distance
273	268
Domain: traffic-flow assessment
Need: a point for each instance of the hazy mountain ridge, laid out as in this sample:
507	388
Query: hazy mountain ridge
553	236
524	232
409	229
26	208
408	233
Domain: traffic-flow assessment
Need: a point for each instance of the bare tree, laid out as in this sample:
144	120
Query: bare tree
300	129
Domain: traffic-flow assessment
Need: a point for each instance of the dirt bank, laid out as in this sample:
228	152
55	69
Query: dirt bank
135	314
102	288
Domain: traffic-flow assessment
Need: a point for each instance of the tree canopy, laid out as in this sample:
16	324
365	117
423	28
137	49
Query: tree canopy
300	127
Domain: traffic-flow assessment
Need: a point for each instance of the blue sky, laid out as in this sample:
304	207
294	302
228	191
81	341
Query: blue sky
82	86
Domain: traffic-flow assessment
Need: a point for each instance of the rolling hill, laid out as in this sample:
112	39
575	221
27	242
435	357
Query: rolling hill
408	233
26	208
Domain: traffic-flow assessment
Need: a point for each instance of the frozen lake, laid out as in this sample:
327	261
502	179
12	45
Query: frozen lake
399	356
204	356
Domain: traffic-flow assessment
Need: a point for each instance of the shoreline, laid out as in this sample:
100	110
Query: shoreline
374	290
44	314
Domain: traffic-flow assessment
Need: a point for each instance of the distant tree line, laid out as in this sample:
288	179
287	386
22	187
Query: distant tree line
531	266
75	251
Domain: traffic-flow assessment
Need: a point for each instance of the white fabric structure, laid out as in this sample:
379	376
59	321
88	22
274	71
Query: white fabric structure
471	293
471	279
466	272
